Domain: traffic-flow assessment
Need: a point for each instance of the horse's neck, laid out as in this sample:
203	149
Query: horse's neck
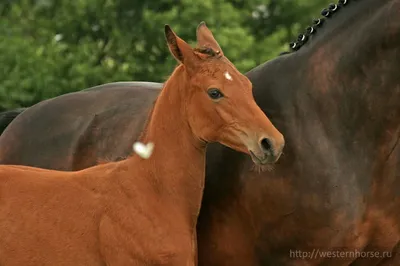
346	89
176	168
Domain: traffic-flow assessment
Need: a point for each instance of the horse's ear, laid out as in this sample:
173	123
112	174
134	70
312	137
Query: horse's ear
205	38
178	47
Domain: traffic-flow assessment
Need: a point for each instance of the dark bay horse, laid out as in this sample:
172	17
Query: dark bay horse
142	210
120	107
335	97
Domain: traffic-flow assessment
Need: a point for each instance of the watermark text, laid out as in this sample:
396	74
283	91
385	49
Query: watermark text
337	254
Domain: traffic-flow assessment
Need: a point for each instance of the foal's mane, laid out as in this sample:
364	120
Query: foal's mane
317	23
147	122
173	77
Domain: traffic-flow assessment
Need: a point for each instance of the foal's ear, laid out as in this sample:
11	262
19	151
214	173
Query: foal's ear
205	38
178	47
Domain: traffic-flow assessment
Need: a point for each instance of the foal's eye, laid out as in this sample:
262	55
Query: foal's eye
215	94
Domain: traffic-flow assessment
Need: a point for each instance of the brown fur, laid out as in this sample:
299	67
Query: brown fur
136	211
337	186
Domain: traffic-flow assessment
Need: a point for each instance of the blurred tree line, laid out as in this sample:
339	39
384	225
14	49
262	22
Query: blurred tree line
52	47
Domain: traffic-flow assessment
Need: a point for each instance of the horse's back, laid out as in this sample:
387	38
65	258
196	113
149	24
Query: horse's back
66	124
7	117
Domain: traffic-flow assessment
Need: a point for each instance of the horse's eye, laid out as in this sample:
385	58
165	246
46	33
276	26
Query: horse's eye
215	94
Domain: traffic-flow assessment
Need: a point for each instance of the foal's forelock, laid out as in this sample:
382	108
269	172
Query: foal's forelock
208	51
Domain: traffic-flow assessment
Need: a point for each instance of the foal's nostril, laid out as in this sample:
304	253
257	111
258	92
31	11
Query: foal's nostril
266	145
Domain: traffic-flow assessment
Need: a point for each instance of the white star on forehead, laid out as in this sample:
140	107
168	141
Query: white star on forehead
227	75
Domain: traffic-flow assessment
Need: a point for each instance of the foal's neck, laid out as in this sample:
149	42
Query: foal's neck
177	165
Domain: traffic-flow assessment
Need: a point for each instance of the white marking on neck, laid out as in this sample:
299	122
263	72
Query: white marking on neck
227	75
143	150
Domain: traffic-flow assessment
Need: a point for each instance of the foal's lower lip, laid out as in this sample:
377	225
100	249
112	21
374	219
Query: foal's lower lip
265	161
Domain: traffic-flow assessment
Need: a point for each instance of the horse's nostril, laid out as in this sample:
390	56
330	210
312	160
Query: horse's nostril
266	144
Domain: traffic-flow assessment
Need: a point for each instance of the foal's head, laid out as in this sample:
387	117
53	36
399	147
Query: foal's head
219	101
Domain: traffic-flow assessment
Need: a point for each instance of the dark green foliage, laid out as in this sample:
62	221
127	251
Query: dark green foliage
52	47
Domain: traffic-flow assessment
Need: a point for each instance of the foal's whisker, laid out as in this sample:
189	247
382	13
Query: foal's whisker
262	168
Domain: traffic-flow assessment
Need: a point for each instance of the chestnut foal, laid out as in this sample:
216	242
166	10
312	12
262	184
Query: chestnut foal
139	211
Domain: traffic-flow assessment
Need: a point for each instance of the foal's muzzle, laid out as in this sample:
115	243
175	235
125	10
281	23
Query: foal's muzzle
267	150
